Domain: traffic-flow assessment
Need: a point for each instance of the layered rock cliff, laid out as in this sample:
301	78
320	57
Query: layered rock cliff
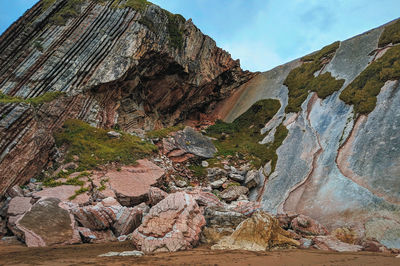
339	163
125	64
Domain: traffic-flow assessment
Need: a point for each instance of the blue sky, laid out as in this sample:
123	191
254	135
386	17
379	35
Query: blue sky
265	33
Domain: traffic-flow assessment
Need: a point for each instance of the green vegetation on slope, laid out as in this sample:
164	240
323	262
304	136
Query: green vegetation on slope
301	80
47	97
175	31
94	147
363	90
391	34
243	135
164	132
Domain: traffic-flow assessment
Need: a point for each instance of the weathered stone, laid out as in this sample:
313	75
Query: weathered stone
214	173
95	217
173	224
89	236
3	227
132	183
233	192
252	179
218	183
156	195
110	202
15	191
19	205
223	218
114	134
259	233
10	240
237	177
204	164
128	219
346	235
180	183
195	143
330	243
304	225
245	207
206	199
47	224
133	253
63	193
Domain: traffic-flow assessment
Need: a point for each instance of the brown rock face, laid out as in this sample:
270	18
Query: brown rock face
116	66
47	224
330	243
173	224
259	233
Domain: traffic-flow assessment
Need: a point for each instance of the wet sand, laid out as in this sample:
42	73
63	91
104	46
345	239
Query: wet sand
88	255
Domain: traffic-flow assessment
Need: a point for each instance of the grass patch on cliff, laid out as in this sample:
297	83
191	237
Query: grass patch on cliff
163	132
94	147
35	101
242	136
363	90
301	80
391	34
175	29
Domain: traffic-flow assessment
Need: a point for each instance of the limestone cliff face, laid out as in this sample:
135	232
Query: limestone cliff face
138	67
338	167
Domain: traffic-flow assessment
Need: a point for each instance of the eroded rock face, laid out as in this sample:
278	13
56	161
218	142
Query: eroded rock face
330	243
259	233
306	226
331	167
115	69
173	224
47	224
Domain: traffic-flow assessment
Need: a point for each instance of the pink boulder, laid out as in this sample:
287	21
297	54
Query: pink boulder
175	223
305	225
156	195
90	236
19	205
63	193
331	243
132	183
206	199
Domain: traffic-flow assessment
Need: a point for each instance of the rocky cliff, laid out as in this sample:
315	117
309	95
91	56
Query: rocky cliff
340	160
124	64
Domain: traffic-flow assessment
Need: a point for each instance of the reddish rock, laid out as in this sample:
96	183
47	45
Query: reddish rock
331	243
19	205
284	220
206	199
305	225
175	223
63	193
95	217
89	236
47	224
3	227
109	202
245	207
129	219
132	184
373	246
156	195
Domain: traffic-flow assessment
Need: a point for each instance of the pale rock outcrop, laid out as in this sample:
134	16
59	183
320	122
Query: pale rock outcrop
63	193
261	232
47	224
19	205
175	223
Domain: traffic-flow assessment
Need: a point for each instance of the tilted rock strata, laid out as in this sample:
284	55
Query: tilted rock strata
114	69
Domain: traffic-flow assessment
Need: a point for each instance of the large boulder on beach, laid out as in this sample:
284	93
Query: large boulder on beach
175	223
261	232
47	223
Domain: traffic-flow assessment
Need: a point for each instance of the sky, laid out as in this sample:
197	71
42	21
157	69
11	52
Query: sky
265	33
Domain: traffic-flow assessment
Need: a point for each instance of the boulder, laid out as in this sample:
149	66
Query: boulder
307	226
216	173
204	164
132	183
195	143
109	202
89	236
15	191
233	193
331	243
346	235
259	233
63	193
237	177
173	224
252	179
128	219
245	207
114	134
47	223
206	199
156	195
19	205
218	183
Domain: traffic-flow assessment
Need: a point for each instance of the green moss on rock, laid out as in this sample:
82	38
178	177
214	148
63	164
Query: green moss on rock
363	90
94	147
391	34
301	80
242	137
35	101
164	132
